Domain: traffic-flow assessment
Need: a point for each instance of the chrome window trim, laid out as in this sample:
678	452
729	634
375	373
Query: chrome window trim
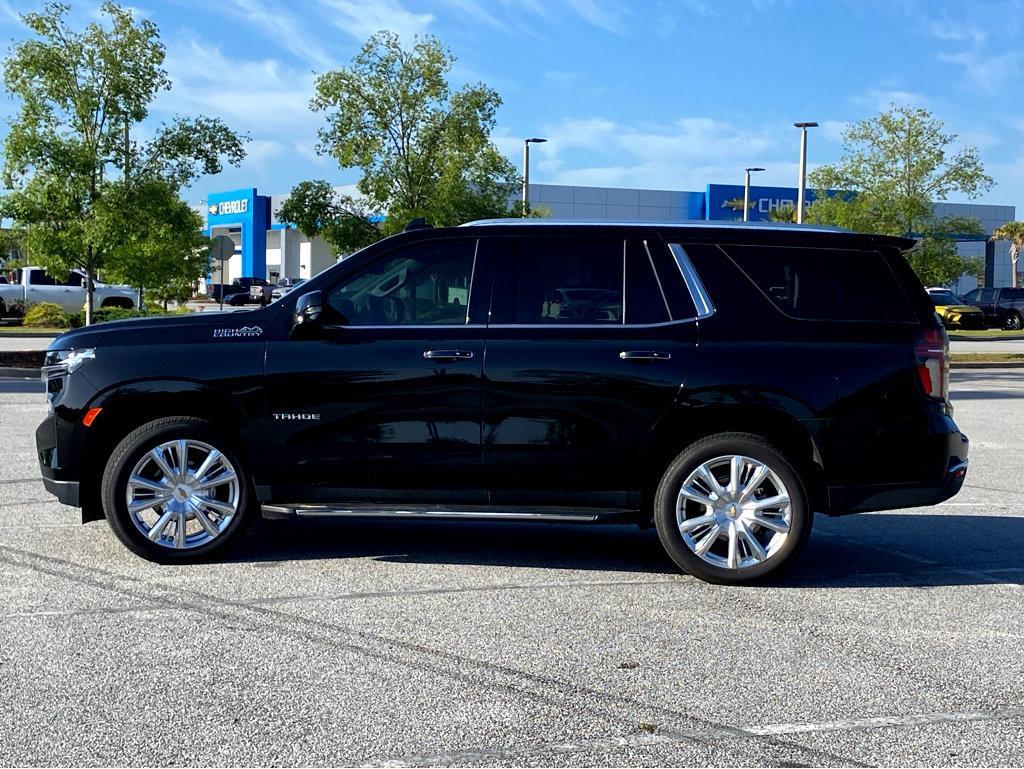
621	326
701	301
420	326
472	274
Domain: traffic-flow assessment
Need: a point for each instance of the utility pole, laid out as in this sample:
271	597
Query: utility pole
746	192
800	192
526	171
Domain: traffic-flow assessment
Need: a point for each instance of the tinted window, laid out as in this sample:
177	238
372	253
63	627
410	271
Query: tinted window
944	298
987	295
74	279
40	278
972	296
644	300
420	284
558	281
825	284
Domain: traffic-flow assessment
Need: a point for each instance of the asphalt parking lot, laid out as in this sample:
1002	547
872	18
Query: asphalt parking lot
898	639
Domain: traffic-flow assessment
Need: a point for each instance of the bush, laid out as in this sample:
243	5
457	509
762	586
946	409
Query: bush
115	313
46	315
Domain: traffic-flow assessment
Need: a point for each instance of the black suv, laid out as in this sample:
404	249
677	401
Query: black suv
721	382
1003	307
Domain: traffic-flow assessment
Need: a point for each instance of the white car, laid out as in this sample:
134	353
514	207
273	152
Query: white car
29	285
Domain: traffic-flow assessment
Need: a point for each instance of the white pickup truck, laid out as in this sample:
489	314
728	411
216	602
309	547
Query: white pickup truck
23	287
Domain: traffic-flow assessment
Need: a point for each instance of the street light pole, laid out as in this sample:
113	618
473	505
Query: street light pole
526	171
803	170
746	192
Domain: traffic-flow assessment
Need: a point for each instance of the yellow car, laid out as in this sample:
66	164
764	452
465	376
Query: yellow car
953	311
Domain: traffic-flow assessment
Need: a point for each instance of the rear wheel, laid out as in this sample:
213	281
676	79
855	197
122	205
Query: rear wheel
732	509
175	490
1012	322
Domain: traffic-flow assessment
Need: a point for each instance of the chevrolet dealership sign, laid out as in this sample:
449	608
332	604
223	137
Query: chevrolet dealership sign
229	207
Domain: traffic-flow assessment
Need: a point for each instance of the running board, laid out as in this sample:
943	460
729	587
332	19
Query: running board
471	512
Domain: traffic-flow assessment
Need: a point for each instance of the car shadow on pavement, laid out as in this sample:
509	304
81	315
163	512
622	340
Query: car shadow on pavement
890	549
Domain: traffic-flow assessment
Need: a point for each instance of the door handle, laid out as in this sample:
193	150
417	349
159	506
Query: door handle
447	355
644	355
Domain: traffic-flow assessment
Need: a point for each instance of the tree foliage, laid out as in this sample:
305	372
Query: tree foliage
424	149
894	168
317	209
152	238
70	145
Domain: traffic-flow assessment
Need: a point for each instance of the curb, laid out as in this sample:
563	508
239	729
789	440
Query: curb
20	373
987	364
26	335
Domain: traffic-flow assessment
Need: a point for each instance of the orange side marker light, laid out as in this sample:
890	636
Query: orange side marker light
90	416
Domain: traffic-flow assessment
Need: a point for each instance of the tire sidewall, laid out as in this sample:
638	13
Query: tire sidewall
122	463
686	463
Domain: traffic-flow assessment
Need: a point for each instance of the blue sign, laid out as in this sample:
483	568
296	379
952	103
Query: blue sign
248	212
725	201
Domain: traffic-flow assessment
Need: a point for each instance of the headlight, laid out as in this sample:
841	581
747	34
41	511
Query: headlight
60	362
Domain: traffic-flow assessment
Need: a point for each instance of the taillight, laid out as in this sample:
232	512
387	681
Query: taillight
932	353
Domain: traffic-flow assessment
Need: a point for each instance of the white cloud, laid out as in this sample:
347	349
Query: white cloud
361	19
958	32
683	154
880	99
985	70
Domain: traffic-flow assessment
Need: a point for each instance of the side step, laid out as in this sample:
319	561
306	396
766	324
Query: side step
469	512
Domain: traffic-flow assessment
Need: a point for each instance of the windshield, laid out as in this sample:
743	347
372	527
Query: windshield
945	298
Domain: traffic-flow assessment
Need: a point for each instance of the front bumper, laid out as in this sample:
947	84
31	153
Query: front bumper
891	496
66	492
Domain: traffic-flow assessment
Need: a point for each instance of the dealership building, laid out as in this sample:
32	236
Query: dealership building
267	247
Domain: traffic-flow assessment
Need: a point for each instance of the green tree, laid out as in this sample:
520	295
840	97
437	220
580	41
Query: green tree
1013	232
81	93
894	168
317	209
424	149
152	238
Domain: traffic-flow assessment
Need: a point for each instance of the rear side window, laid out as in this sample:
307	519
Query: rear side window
825	284
559	281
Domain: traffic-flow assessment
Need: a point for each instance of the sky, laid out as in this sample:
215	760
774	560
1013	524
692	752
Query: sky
659	94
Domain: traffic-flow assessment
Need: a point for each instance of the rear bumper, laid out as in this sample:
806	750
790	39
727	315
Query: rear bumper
890	496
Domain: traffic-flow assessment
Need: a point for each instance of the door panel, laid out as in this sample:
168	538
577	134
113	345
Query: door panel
569	407
383	402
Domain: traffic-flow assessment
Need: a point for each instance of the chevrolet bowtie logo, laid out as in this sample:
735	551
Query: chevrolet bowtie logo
212	209
736	204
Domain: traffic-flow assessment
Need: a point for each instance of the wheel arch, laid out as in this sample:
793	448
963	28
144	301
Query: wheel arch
686	424
127	407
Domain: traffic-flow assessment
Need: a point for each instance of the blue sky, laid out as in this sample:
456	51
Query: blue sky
660	94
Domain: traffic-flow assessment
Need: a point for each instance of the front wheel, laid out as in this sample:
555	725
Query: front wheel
175	490
1012	322
732	509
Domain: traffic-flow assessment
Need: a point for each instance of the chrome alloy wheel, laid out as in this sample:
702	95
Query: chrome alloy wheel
734	512
183	494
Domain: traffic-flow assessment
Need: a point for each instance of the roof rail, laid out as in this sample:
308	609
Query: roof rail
419	223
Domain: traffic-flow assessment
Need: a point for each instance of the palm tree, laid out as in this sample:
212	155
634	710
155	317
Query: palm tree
1013	232
783	214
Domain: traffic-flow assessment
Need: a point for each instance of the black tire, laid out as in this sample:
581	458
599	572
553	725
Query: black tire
122	462
705	450
1012	321
120	304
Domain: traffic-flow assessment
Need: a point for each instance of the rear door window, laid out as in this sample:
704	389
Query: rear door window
825	284
560	281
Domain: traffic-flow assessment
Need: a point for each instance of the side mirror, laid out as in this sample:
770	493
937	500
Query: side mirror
308	309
